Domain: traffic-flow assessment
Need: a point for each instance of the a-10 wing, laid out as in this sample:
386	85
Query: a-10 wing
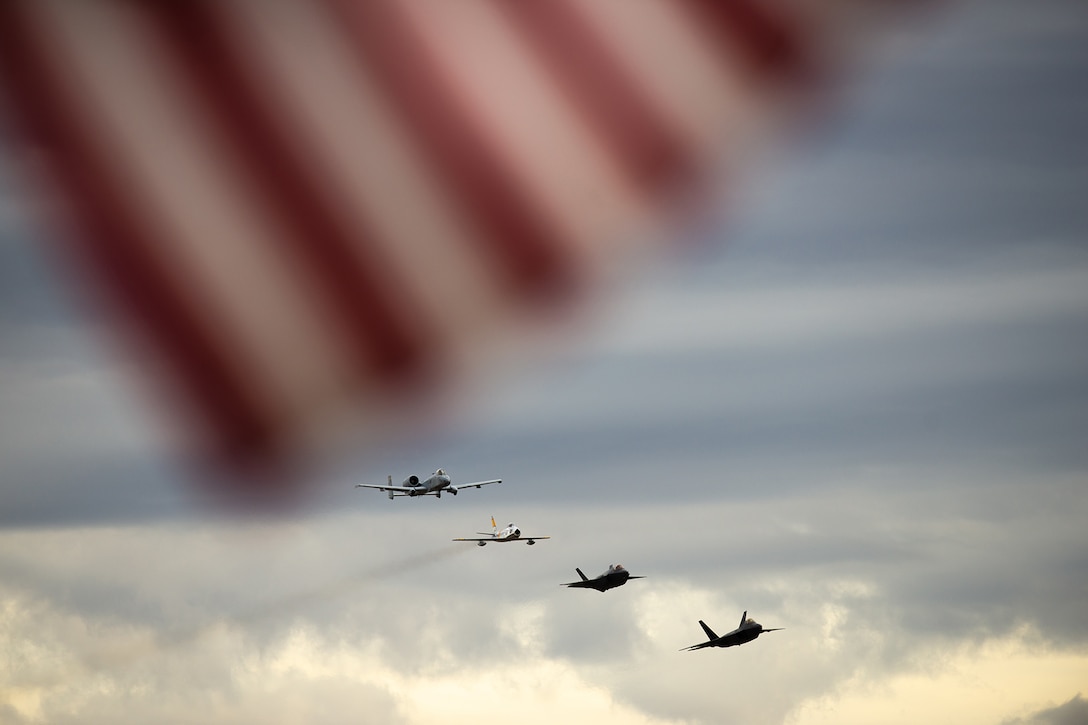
388	488
399	490
475	484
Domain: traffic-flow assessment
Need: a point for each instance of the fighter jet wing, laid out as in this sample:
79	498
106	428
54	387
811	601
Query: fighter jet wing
712	638
523	539
587	584
701	645
476	484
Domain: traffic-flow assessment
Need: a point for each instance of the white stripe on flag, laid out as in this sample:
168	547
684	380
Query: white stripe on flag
204	223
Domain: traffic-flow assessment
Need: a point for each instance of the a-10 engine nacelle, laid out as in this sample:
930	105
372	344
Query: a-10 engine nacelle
411	481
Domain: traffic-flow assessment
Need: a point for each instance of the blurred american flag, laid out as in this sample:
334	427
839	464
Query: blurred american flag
307	212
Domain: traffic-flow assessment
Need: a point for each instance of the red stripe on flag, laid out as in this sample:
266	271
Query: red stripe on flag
113	243
769	44
610	100
513	229
345	265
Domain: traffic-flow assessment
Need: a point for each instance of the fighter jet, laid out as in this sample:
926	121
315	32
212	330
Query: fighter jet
748	630
510	533
616	576
433	486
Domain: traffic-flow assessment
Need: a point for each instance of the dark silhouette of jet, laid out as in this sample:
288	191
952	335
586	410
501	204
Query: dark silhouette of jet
616	576
748	630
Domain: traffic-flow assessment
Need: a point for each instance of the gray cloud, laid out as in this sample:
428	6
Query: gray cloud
1073	712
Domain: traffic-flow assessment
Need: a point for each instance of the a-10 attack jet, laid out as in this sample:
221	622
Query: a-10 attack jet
748	630
510	533
433	486
616	576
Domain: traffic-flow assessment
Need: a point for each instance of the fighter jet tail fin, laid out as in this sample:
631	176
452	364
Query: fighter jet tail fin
742	618
494	529
584	577
708	630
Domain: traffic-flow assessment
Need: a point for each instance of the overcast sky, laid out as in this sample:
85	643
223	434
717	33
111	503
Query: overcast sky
858	412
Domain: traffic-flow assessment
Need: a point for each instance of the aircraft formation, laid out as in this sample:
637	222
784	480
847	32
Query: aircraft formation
615	576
